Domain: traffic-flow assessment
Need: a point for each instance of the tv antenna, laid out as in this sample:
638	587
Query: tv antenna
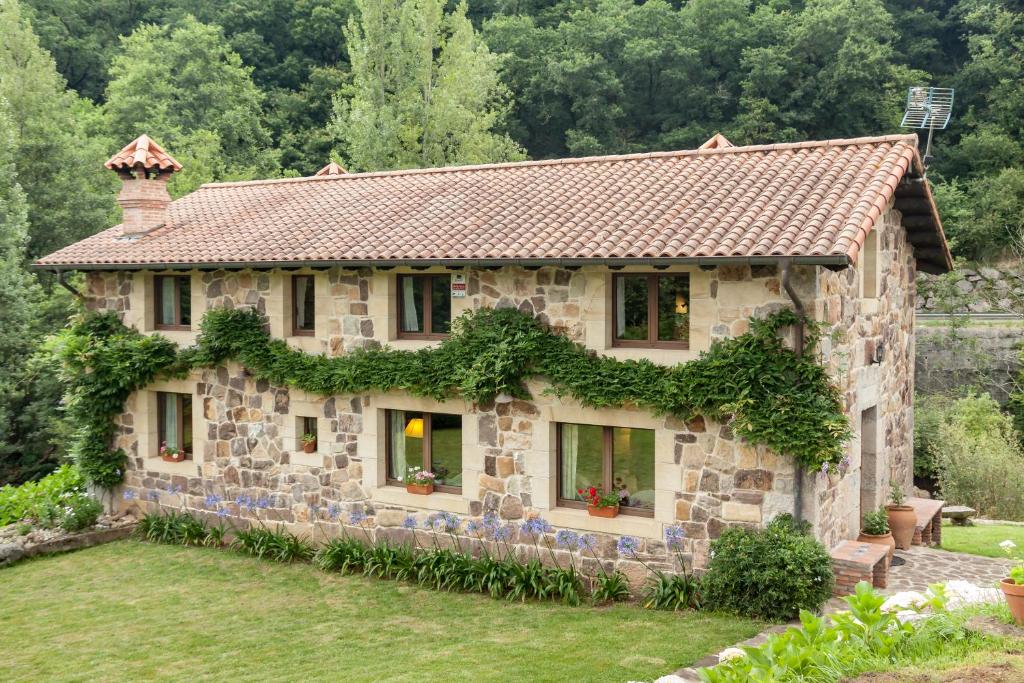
928	108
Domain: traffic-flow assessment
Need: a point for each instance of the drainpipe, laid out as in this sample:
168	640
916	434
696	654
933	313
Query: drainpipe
798	349
66	285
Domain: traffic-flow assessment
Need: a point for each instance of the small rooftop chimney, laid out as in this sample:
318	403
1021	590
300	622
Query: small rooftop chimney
144	168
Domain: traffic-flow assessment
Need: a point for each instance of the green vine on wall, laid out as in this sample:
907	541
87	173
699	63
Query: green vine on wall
772	396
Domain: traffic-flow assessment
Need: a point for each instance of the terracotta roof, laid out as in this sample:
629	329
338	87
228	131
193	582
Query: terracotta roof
813	201
332	168
143	151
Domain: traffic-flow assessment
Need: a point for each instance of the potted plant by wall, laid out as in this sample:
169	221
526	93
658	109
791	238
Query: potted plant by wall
876	530
419	481
309	443
1013	585
599	503
171	454
902	518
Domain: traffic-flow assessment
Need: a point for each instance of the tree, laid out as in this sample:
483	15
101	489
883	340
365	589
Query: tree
425	90
182	85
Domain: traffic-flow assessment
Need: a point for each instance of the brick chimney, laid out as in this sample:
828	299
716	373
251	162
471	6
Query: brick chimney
144	168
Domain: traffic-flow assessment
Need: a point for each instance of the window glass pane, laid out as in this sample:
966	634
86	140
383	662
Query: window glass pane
186	422
406	431
674	308
308	426
446	448
185	304
581	456
633	466
165	316
304	302
168	420
441	304
631	307
410	318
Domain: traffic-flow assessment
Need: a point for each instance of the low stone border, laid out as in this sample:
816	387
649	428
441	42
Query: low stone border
11	553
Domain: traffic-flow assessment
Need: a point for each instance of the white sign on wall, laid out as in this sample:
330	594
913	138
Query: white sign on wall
458	286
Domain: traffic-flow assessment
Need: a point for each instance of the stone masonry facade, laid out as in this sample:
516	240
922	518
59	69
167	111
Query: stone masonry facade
246	432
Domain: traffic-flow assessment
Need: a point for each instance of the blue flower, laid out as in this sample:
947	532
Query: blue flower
263	503
504	533
536	526
212	501
491	520
357	517
567	539
474	527
153	494
333	511
409	523
588	542
627	545
129	494
222	513
314	510
674	536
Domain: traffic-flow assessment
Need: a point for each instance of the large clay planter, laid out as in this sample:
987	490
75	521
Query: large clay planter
902	521
884	539
420	489
309	446
608	512
1014	599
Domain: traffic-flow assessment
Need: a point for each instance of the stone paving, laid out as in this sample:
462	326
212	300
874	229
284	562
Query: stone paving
923	567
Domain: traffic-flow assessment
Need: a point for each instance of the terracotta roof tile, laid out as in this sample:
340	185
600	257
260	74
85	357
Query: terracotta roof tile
809	199
143	151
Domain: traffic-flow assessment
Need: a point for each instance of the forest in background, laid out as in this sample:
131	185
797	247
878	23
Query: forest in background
263	88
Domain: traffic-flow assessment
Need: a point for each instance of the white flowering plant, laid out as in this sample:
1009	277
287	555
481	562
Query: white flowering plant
419	476
1017	571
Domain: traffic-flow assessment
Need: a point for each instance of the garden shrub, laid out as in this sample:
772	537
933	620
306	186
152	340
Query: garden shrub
40	499
80	511
769	573
979	459
930	412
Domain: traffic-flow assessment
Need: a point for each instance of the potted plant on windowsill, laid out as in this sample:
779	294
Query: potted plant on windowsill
876	530
599	503
902	518
171	454
1013	585
309	443
419	481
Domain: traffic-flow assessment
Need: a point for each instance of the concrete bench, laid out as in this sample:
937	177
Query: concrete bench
853	562
959	514
928	530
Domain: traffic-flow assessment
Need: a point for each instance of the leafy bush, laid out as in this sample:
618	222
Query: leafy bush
36	499
278	544
174	527
80	511
770	573
930	412
876	523
610	587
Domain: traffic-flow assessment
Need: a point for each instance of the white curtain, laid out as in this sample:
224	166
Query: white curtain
620	307
301	285
398	466
171	421
167	301
570	454
410	320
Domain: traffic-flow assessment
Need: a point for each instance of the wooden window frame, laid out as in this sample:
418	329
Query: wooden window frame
653	284
607	466
161	426
158	302
296	330
428	305
428	432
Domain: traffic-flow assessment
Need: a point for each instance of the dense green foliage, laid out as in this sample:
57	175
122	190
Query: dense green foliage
771	395
29	500
771	573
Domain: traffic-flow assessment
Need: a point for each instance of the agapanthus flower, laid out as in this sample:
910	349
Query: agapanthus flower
314	510
357	517
491	520
674	536
474	527
409	523
263	503
628	545
567	539
504	533
212	501
588	542
222	512
333	511
129	494
536	526
176	490
153	495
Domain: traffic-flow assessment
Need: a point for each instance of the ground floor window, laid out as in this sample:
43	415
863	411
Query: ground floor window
432	441
612	458
174	422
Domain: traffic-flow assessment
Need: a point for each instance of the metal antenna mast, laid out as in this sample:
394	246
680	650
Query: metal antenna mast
928	108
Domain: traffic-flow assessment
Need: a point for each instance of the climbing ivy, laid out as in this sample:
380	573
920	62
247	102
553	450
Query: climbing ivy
769	394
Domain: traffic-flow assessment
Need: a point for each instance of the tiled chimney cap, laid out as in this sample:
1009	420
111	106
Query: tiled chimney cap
143	151
717	141
332	168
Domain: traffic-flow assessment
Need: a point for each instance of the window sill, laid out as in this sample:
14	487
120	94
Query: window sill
623	525
179	337
442	502
158	464
413	344
664	356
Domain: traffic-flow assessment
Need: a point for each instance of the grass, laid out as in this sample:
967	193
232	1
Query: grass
981	539
136	611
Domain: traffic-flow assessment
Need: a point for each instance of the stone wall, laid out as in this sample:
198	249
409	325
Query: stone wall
977	289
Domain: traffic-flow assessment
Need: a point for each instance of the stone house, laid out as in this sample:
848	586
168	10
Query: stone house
638	256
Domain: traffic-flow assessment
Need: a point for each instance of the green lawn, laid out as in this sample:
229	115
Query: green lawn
981	539
136	611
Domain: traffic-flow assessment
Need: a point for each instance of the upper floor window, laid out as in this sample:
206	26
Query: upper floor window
174	422
424	306
431	441
303	305
610	458
651	310
173	302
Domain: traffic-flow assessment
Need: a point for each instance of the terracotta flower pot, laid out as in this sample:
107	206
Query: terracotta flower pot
1014	599
420	489
883	539
175	457
309	446
902	520
608	512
